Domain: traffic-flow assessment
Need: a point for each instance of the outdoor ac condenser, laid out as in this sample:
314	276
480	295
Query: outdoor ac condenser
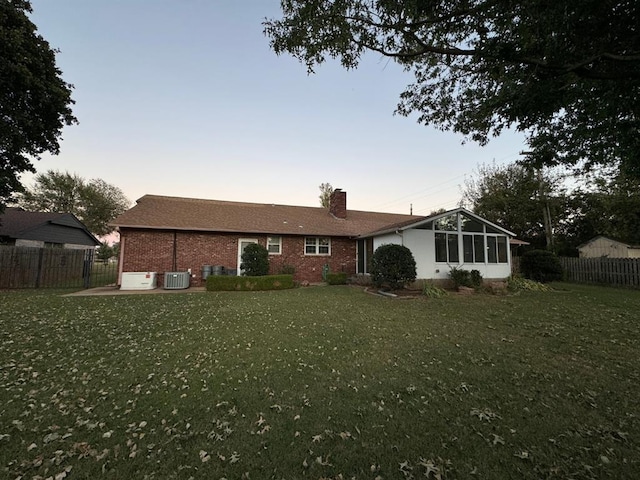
176	280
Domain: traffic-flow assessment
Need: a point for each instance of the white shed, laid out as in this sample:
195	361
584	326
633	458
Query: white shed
602	246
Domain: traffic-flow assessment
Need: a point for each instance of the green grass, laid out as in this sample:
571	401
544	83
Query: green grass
325	382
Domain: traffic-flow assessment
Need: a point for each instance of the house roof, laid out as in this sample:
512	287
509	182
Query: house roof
177	213
16	223
413	223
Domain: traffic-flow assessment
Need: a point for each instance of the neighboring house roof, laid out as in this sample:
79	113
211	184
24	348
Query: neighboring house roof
17	223
413	223
176	213
599	237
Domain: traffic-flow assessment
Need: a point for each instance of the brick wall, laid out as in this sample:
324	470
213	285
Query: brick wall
156	251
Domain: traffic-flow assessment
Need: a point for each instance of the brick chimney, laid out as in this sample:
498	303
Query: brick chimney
338	204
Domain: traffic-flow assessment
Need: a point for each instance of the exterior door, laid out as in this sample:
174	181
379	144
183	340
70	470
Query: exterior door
242	244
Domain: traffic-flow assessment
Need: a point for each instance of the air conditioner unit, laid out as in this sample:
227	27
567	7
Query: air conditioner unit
176	280
138	281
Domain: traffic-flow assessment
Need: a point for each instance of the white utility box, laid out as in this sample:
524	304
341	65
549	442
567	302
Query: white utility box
138	281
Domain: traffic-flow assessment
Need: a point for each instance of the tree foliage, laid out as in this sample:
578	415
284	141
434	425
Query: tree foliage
104	252
255	261
517	198
325	194
35	103
606	204
566	73
393	265
95	202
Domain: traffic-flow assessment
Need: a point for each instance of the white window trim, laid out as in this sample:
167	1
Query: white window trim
317	246
279	243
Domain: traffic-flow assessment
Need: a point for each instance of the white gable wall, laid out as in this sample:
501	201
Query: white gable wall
422	246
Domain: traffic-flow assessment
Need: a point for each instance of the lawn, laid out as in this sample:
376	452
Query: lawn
320	382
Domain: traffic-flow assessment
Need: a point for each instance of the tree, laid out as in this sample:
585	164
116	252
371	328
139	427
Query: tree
94	202
606	204
104	252
526	201
566	73
325	194
255	261
35	103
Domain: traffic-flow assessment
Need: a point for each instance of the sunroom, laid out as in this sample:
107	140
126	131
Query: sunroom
456	238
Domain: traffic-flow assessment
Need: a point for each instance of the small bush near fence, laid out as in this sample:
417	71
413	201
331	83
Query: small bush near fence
336	278
218	283
541	266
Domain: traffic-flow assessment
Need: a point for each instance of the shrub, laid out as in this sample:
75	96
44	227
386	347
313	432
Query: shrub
255	261
393	265
460	277
476	278
431	291
518	284
336	278
541	266
244	283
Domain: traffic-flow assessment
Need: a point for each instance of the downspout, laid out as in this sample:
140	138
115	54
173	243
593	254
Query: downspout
121	259
175	251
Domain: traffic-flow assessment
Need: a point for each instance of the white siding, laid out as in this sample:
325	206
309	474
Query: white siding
422	246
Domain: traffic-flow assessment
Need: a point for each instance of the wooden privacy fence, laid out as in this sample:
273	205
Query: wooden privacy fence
28	267
617	272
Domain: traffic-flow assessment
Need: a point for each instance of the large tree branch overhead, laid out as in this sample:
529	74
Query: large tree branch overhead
552	69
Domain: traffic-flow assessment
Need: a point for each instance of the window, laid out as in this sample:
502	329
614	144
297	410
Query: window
497	249
469	225
447	247
274	245
317	246
449	223
473	246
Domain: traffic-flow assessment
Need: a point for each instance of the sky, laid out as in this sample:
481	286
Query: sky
185	98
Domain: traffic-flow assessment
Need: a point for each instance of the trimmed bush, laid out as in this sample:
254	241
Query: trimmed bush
393	265
541	266
336	278
255	261
218	283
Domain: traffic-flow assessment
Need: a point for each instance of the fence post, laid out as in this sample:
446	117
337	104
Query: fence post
86	269
39	274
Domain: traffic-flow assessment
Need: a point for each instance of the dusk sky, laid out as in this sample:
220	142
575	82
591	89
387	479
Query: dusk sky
185	98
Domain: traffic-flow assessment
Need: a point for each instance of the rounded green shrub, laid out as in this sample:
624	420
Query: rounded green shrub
393	266
255	261
541	266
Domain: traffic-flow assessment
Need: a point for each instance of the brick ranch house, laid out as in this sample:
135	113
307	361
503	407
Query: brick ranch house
168	234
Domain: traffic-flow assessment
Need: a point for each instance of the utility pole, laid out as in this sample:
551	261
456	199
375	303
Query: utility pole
546	211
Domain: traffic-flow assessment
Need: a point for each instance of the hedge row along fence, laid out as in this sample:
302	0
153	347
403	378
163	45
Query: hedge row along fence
219	283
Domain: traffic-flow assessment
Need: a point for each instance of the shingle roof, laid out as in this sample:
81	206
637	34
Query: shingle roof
17	223
14	221
176	213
